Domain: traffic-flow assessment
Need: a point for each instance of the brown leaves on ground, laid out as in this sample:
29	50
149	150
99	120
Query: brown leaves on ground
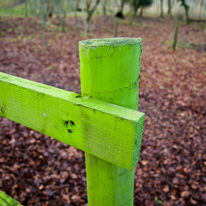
38	170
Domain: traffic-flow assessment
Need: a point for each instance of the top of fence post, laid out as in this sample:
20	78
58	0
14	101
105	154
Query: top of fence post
110	70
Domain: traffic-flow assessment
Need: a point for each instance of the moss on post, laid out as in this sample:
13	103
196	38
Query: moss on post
110	70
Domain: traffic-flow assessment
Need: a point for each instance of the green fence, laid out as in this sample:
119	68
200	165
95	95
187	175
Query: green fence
103	121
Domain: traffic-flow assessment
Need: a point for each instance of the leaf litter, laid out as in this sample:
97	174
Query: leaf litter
38	170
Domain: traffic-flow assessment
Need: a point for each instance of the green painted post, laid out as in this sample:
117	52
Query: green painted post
86	123
110	70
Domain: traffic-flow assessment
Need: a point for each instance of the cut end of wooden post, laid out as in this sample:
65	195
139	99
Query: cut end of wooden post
110	42
110	70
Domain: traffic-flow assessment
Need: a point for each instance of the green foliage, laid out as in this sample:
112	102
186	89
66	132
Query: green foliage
184	4
126	1
157	201
139	3
146	2
15	11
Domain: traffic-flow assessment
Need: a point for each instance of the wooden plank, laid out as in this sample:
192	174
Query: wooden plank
5	200
110	70
105	130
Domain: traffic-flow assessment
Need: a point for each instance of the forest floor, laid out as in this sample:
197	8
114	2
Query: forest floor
38	170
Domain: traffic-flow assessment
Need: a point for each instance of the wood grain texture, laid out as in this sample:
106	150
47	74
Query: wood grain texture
102	129
5	200
110	70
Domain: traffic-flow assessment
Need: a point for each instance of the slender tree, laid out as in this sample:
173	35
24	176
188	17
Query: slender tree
84	18
43	23
64	19
50	7
169	7
161	9
34	7
186	7
104	7
175	37
136	4
122	5
143	4
205	29
74	8
201	8
90	11
116	26
118	16
26	8
141	11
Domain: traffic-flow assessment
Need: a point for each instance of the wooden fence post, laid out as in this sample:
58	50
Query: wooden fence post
110	70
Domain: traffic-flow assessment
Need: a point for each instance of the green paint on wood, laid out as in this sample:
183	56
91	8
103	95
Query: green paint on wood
105	130
5	200
110	70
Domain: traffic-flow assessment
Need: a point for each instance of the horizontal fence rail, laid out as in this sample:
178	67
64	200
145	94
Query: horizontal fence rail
108	131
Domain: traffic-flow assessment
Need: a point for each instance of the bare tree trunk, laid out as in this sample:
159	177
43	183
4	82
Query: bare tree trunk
104	6
84	18
64	19
187	14
175	37
75	12
205	29
116	26
141	11
26	8
162	13
169	7
90	13
43	23
49	8
201	8
135	9
133	16
34	7
122	6
184	4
